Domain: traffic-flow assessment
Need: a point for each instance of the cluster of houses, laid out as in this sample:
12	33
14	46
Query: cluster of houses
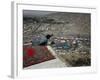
70	43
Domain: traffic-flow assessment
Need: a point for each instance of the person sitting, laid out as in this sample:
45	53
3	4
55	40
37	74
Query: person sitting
42	40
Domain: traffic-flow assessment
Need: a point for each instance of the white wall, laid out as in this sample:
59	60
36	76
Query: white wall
5	37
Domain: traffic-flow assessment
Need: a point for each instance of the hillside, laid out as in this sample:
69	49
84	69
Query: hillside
57	23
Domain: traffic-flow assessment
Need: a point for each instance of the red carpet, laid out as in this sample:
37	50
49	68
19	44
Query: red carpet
35	55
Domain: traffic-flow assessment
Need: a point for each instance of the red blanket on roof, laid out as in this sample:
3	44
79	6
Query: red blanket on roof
35	55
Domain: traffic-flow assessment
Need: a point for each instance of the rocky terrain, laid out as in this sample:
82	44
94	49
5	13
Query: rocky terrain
57	23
